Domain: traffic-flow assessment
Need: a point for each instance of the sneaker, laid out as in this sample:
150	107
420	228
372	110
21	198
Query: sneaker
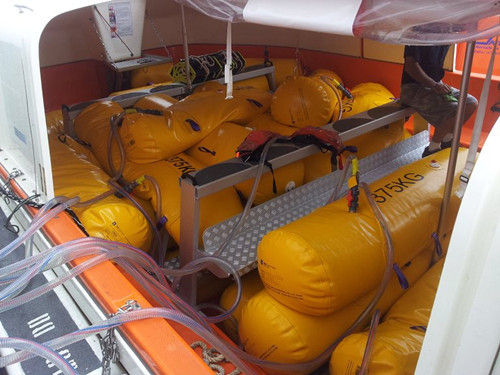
427	152
446	144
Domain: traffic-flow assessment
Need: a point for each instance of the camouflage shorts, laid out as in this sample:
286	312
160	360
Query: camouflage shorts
433	107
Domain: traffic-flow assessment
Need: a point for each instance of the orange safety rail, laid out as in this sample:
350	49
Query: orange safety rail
162	347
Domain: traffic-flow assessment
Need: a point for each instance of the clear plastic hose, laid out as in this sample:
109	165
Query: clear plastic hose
115	136
28	250
69	251
102	253
369	343
202	263
38	350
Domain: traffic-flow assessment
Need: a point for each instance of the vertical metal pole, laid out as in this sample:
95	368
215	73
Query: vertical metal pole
186	50
464	85
189	230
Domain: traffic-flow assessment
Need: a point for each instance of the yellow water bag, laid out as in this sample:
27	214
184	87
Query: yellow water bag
266	122
158	102
250	286
313	265
274	332
92	126
365	96
326	73
81	150
398	339
209	86
55	121
151	74
256	83
213	208
111	218
149	138
304	101
329	77
221	145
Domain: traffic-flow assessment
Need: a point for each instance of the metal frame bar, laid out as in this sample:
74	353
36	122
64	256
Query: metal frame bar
172	89
191	193
457	130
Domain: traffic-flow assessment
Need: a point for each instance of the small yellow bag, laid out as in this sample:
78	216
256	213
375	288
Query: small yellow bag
274	332
112	218
313	265
398	339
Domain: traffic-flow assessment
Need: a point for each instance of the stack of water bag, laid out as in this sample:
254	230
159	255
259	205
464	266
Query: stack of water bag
75	173
320	272
154	137
317	100
399	337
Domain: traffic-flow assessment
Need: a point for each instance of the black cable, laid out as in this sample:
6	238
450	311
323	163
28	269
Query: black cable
14	228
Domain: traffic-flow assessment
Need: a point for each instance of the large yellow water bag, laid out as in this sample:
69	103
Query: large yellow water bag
313	265
92	126
266	122
213	208
398	339
365	96
112	218
326	73
304	101
150	138
221	145
251	285
158	102
272	331
151	74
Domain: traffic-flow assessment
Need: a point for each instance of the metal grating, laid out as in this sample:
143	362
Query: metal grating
241	252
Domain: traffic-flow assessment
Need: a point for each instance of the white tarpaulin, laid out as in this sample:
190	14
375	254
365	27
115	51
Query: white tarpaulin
394	21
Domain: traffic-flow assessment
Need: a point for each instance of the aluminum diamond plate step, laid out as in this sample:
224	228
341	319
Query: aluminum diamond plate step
241	252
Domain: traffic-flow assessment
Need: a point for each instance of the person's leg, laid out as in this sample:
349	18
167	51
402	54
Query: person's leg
445	135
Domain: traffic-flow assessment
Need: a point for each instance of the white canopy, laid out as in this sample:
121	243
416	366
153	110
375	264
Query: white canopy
396	21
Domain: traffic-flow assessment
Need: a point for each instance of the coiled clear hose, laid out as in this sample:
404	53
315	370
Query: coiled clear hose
39	350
